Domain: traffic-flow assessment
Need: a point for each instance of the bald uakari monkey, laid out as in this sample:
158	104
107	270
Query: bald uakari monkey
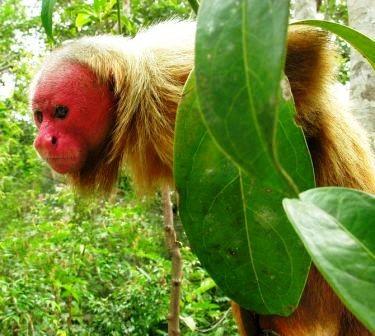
103	101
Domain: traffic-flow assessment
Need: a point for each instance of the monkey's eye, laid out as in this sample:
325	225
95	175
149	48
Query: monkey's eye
60	112
38	116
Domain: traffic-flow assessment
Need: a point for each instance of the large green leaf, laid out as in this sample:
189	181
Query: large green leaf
234	220
337	226
235	223
364	44
240	55
46	16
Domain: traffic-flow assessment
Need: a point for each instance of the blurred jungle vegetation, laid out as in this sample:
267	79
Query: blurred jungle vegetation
72	266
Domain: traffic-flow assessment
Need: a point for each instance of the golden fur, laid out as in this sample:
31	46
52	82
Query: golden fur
147	74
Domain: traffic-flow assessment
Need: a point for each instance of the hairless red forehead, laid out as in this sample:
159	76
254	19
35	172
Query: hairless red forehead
73	81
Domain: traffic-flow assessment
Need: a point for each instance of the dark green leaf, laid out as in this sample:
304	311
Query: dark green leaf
46	16
239	61
235	216
364	44
194	5
235	223
337	226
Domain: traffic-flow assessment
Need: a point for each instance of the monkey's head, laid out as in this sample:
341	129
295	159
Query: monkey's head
102	101
73	114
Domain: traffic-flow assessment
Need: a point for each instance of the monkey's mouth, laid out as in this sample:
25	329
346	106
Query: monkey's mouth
51	158
64	164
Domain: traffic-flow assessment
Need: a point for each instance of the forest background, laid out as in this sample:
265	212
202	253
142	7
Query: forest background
73	266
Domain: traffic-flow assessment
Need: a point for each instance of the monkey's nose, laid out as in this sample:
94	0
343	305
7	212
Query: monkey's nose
45	144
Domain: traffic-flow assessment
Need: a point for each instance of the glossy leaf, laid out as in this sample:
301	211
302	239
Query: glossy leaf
337	226
234	220
235	223
46	16
361	42
240	56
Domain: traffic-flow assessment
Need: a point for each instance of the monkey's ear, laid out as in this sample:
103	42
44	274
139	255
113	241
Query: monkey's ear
310	62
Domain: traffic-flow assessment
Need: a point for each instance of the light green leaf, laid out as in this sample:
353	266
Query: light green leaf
109	5
99	6
206	285
337	226
81	20
361	42
235	223
46	16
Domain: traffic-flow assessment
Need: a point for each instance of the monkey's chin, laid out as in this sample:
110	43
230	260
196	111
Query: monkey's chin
64	165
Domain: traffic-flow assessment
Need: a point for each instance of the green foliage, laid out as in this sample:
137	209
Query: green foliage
337	11
46	16
228	217
194	5
75	266
237	198
82	17
336	226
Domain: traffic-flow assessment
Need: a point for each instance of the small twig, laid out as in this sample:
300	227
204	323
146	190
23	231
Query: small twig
194	5
217	323
119	28
174	250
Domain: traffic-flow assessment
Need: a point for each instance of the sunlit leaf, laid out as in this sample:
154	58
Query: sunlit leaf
99	6
81	20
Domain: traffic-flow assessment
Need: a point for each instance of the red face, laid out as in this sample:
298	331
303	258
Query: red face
73	114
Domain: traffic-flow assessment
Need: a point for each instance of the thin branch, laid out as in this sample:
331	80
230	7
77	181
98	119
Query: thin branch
217	323
194	5
119	26
174	250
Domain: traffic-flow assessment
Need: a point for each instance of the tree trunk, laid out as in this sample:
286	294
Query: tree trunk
304	9
362	77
